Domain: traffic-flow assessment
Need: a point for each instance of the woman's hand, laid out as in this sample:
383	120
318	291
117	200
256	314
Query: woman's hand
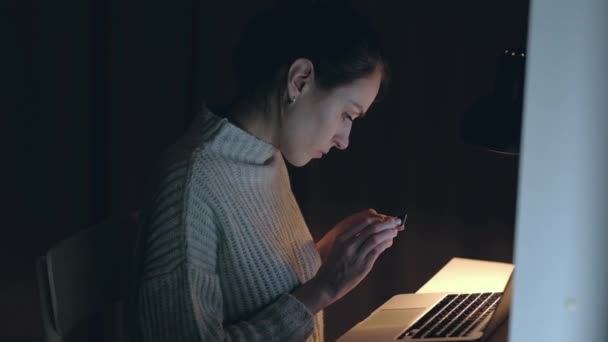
325	245
354	251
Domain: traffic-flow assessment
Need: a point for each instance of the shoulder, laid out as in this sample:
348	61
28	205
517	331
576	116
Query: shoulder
177	219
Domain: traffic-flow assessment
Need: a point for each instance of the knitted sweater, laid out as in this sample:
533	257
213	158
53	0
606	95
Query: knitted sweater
222	244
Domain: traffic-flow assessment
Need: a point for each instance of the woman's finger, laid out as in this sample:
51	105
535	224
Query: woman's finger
370	259
357	217
376	228
367	221
376	240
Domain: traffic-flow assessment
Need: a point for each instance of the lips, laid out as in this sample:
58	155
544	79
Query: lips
320	153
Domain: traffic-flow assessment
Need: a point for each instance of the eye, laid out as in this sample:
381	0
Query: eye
347	116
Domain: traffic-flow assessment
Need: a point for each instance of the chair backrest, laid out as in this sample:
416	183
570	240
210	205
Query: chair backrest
84	274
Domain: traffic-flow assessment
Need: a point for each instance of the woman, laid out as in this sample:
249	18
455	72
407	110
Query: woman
224	253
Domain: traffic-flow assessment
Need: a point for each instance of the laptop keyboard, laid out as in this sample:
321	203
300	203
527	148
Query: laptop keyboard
454	316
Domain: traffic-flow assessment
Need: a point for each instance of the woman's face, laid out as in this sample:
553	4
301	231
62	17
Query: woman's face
320	119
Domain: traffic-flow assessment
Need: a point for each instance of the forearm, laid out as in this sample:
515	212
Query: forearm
313	295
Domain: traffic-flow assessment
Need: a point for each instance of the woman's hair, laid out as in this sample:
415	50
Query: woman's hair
338	41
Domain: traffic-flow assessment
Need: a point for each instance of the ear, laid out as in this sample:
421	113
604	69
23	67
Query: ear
299	77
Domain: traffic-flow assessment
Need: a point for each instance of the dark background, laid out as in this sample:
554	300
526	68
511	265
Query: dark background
94	89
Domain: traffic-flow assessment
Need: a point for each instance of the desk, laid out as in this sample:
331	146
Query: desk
468	275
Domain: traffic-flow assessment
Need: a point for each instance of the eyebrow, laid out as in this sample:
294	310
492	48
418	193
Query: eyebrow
361	111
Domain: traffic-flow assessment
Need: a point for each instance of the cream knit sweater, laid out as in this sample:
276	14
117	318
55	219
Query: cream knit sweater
222	244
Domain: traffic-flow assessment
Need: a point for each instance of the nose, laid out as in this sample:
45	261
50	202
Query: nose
341	143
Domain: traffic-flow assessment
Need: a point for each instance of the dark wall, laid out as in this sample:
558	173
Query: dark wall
96	88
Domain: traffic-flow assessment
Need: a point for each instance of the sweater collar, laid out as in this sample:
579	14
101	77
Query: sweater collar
233	142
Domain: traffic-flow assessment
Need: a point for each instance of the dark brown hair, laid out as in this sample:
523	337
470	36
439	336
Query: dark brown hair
339	42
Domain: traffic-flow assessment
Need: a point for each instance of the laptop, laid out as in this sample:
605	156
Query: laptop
430	317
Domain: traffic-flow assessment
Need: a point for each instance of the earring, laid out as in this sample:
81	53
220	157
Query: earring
292	99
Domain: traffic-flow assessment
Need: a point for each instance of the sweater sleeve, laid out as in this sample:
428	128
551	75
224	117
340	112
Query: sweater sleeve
186	305
180	296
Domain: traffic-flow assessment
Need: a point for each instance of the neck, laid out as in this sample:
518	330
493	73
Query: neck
256	121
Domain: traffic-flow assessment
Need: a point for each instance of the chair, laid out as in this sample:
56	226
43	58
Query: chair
83	275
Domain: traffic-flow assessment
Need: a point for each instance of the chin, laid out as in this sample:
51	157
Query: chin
300	163
297	161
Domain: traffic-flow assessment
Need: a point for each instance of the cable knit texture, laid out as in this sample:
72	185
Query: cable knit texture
222	244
